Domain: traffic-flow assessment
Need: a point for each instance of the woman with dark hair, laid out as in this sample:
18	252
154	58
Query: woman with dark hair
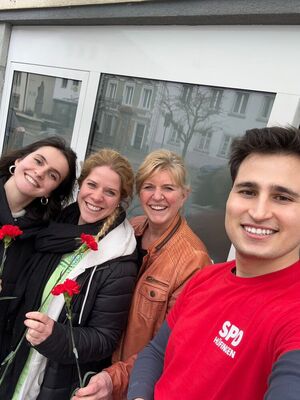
41	205
106	276
35	182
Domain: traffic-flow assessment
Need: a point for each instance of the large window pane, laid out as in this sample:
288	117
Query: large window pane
40	106
136	116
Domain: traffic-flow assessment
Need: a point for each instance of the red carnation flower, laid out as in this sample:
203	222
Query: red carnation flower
90	241
10	231
69	287
7	234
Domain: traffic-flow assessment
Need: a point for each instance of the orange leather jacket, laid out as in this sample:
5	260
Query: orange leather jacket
169	263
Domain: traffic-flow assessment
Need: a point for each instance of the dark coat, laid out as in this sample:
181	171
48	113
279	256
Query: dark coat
16	256
103	320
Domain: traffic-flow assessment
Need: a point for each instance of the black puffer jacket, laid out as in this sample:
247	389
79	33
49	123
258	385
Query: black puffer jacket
105	314
102	322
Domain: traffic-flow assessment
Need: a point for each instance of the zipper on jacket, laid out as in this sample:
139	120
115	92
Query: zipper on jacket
170	235
153	280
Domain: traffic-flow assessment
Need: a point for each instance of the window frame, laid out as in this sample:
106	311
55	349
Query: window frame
143	100
124	98
82	76
240	104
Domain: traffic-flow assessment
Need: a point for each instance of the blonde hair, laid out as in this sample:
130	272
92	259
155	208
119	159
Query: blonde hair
162	160
121	166
110	220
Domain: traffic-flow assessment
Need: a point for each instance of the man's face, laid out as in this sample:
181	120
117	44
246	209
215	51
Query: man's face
263	212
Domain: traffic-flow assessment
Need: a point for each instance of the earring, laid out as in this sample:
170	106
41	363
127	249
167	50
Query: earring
12	169
44	201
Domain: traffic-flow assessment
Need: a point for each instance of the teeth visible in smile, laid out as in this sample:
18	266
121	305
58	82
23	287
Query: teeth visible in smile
158	208
92	207
31	180
259	231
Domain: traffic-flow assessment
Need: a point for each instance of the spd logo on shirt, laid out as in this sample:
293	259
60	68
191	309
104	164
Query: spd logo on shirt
229	336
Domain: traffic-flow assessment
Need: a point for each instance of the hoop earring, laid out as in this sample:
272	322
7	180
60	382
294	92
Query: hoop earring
12	169
44	201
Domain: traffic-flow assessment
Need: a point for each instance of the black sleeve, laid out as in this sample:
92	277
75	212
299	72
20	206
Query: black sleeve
284	382
97	337
148	366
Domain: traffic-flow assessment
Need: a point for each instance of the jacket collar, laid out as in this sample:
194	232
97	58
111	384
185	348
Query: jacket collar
165	237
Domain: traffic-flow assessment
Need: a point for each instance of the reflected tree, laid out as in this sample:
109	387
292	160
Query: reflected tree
188	108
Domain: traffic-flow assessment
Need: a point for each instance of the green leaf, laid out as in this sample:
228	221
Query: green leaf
86	376
9	357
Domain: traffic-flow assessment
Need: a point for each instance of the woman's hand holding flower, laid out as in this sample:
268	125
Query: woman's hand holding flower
40	327
99	388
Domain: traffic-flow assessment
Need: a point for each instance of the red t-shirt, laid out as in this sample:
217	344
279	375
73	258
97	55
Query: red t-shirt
226	333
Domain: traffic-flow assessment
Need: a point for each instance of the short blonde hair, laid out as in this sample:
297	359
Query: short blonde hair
162	160
118	163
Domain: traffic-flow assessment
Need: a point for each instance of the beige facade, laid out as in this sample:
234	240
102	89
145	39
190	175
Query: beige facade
19	4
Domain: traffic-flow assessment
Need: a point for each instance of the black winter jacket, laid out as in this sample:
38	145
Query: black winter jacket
17	254
103	319
105	316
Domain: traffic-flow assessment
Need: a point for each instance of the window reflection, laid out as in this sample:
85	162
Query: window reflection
40	106
241	102
136	116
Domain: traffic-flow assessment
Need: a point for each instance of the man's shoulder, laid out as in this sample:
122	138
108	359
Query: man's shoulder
211	272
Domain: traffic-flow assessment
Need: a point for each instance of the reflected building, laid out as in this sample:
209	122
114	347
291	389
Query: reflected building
136	116
40	106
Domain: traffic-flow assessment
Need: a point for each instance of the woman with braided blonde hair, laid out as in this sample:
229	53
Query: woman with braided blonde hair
169	254
106	277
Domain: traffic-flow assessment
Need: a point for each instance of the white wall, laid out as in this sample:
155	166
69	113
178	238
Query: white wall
260	57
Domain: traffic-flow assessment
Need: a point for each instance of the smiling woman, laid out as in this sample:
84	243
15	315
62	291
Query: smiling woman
50	165
169	253
99	194
36	175
161	198
35	182
106	276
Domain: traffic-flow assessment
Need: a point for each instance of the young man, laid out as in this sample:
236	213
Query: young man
234	332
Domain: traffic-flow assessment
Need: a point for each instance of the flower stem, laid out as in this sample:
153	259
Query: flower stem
69	315
3	261
10	357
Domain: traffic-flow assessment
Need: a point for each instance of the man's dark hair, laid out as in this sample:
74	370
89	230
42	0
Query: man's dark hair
273	140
